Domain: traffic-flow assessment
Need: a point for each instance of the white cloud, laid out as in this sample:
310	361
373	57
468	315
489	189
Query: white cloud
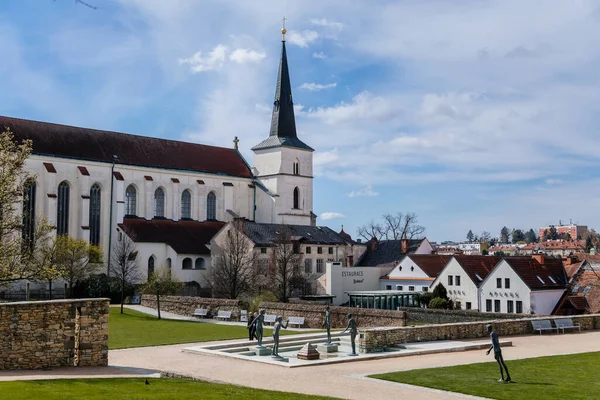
331	215
327	23
212	61
302	39
363	106
315	87
319	55
367	191
553	181
242	56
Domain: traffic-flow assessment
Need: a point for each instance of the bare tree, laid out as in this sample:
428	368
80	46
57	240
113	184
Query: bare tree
393	227
124	264
160	283
371	230
233	271
485	237
286	260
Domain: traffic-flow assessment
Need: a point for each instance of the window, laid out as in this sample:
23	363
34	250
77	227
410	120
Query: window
319	250
399	287
411	288
62	209
187	263
457	280
450	278
519	307
457	305
159	203
150	266
95	193
425	289
499	283
296	247
130	200
507	283
211	206
388	287
28	230
263	266
488	305
510	306
199	263
307	266
263	250
169	265
186	204
320	266
307	250
331	250
296	168
296	198
496	305
468	305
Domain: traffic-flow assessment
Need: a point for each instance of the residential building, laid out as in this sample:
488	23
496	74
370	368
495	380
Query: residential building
560	247
574	231
390	252
583	291
414	273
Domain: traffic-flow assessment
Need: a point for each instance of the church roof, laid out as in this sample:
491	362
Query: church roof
185	237
283	122
96	145
267	234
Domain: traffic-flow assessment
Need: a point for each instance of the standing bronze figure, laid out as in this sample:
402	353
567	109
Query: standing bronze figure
327	323
258	326
498	354
353	331
276	328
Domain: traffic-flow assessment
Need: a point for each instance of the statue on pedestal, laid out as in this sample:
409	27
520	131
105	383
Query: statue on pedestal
258	326
327	323
498	354
353	331
276	328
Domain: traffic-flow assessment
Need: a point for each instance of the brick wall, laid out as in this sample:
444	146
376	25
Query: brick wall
57	333
436	316
184	305
314	315
376	338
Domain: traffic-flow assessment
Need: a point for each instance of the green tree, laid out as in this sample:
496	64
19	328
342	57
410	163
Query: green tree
531	237
160	283
440	291
550	234
438	302
517	235
504	235
75	259
470	236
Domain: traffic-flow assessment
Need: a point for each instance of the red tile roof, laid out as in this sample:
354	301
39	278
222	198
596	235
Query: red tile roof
96	145
185	237
531	271
432	265
555	245
477	265
578	302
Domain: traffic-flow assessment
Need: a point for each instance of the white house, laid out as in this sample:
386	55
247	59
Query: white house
530	285
414	273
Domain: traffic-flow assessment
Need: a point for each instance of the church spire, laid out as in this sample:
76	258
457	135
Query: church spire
283	121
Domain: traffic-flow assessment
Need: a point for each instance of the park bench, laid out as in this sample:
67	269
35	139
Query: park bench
269	319
243	315
543	325
566	323
296	321
224	315
200	312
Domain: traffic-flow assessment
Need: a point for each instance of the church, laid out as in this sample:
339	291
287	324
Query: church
170	197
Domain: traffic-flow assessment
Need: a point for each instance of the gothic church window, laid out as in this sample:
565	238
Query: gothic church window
28	214
95	193
186	204
62	209
296	198
159	203
211	206
130	200
150	266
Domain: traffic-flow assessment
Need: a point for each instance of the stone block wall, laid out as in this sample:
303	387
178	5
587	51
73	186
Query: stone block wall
314	315
377	338
184	305
435	316
57	333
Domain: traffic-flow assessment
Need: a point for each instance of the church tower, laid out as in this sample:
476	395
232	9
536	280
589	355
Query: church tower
282	162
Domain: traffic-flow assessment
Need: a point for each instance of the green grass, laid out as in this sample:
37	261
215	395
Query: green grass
136	329
131	389
558	377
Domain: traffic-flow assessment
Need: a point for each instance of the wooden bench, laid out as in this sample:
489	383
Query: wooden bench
542	325
566	323
243	315
224	315
296	321
200	312
270	319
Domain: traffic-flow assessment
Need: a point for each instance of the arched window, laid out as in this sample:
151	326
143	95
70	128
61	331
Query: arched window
95	214
28	214
211	206
159	203
130	200
296	198
169	265
187	263
150	266
186	204
297	167
62	209
199	264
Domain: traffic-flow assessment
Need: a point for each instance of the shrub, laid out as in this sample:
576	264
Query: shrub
425	298
440	292
267	296
438	302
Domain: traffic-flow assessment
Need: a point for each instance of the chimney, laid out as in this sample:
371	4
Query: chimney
373	243
539	258
404	243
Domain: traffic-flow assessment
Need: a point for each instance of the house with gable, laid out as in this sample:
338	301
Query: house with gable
415	272
528	285
583	291
380	253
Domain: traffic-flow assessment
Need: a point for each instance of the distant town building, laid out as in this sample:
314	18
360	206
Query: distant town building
559	247
572	230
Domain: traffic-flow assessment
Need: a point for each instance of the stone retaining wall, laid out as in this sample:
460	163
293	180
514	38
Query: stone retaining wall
184	305
314	315
57	333
435	316
377	338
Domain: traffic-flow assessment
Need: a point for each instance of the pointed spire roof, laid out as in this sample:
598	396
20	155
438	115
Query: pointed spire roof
283	122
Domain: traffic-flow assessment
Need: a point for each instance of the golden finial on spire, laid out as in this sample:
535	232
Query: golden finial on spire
283	30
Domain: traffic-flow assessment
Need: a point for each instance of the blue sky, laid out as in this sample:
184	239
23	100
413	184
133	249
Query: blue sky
472	114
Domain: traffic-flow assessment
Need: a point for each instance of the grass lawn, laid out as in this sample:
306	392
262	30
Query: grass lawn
130	389
136	329
558	377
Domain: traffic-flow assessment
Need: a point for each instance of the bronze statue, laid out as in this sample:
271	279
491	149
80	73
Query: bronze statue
497	354
258	326
327	323
278	325
352	327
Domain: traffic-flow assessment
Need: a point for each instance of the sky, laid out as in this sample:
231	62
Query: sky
473	114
